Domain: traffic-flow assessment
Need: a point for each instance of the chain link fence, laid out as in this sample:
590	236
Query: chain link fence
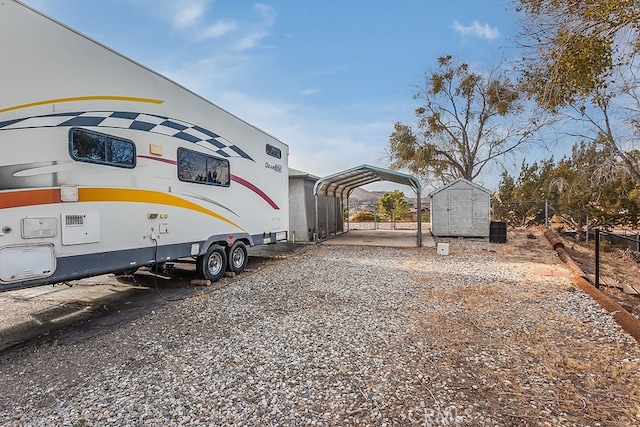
582	228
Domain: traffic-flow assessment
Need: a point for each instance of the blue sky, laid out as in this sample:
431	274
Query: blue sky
329	78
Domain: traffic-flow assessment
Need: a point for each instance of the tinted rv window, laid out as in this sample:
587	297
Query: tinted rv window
203	169
274	151
94	147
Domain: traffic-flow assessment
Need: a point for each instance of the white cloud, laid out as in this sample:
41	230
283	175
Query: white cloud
261	30
187	13
218	29
308	92
328	72
321	141
191	16
253	110
267	13
211	75
476	29
251	40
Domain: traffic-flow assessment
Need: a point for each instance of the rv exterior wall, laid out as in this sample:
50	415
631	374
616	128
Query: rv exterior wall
162	165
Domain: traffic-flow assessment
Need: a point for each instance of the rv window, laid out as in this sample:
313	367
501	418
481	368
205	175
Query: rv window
203	169
274	151
93	147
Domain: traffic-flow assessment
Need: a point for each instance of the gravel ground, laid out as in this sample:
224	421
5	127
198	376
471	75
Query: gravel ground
334	336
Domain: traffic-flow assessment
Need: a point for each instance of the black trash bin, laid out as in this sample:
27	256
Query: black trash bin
498	232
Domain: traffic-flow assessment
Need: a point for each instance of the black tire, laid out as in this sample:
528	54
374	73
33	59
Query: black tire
237	256
213	264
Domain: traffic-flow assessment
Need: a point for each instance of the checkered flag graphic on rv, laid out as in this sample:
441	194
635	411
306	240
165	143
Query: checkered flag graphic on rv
131	120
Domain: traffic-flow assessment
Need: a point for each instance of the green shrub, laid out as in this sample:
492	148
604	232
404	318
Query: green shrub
362	217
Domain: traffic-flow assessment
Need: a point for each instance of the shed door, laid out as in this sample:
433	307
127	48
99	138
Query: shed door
460	212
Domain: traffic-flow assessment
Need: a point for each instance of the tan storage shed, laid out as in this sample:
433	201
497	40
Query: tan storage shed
461	209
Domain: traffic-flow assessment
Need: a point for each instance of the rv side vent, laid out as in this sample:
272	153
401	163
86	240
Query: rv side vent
80	228
74	220
40	227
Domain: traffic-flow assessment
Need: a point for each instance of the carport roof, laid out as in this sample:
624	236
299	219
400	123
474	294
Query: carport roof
342	183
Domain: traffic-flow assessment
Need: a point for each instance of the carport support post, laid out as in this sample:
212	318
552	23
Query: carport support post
375	218
393	215
315	235
348	219
326	218
597	258
419	219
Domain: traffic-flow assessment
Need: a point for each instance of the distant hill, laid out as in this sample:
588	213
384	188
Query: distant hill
361	195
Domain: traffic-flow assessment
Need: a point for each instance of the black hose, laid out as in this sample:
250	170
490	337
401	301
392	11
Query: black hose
155	275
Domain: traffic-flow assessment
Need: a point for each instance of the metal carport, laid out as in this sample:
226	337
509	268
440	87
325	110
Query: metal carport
341	184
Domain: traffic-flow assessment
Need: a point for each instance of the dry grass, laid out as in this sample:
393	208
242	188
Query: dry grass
518	352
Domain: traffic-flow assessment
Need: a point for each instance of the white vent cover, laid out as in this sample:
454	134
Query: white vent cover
34	228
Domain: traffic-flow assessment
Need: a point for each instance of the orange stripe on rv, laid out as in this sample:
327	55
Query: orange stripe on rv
144	196
16	199
84	98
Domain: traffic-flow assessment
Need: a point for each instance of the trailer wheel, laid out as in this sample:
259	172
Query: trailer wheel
237	256
213	264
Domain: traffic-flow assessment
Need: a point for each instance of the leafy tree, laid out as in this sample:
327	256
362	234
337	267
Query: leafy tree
592	191
393	205
502	201
581	60
521	201
572	47
462	124
578	189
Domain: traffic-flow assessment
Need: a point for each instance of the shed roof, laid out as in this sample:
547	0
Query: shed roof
341	184
466	181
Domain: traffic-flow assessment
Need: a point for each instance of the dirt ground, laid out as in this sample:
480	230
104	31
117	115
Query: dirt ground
617	267
587	384
521	352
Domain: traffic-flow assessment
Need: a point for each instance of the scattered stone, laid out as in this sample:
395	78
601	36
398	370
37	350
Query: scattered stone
348	336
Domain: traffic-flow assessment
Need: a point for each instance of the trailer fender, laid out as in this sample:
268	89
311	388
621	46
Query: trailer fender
225	240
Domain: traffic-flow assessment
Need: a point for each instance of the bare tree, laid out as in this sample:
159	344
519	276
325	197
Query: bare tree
466	121
580	61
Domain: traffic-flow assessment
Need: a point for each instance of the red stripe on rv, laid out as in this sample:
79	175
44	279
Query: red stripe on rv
255	189
234	178
158	159
17	199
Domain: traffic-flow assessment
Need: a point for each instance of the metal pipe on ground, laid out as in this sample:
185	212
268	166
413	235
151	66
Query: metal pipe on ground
558	246
625	319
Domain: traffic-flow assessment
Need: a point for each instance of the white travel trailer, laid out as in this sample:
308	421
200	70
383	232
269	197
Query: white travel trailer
107	166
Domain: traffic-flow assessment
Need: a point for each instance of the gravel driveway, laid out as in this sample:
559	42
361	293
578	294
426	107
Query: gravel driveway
336	336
